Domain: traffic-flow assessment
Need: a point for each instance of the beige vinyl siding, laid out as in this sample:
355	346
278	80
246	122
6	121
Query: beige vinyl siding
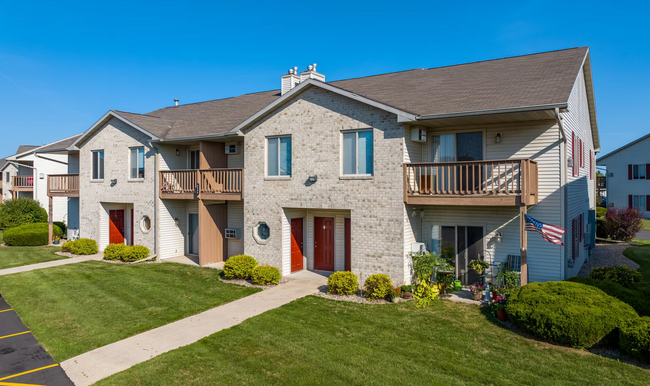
172	237
412	230
237	160
580	189
169	160
48	164
73	163
192	206
236	220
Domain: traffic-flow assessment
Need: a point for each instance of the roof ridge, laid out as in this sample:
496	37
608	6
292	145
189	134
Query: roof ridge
214	100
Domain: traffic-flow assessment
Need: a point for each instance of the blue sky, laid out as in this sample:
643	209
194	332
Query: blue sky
64	64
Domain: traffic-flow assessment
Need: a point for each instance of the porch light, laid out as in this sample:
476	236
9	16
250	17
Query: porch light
178	152
498	238
313	178
176	222
497	139
421	212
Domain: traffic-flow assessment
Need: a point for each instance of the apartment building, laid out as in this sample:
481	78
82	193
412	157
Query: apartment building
354	174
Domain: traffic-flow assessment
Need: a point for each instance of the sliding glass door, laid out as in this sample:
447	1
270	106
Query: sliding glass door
459	245
460	147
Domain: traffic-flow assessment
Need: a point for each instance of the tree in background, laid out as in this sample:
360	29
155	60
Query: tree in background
622	223
21	211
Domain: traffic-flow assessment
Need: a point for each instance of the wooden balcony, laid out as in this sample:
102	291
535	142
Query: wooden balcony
204	184
63	185
510	182
22	183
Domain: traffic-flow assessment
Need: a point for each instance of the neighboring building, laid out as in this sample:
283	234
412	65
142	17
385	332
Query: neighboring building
39	172
352	174
628	176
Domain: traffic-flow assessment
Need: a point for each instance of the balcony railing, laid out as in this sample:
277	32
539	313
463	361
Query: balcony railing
63	185
22	183
496	182
205	184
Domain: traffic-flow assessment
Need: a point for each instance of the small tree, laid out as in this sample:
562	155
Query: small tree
622	223
21	211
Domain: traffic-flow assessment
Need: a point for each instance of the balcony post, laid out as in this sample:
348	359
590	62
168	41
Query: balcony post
50	224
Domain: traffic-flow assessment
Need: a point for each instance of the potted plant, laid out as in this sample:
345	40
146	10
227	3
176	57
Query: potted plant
477	291
499	309
56	240
407	291
478	266
395	295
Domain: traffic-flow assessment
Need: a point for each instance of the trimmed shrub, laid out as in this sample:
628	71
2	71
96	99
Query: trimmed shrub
80	247
239	267
638	298
266	275
635	338
622	223
378	286
61	225
67	246
135	253
600	212
568	313
21	211
618	274
600	229
30	235
342	283
115	251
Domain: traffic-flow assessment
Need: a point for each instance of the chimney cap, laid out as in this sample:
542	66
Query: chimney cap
175	102
310	67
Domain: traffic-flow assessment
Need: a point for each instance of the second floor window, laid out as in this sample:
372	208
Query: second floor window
357	152
98	165
8	176
137	162
279	156
194	159
638	172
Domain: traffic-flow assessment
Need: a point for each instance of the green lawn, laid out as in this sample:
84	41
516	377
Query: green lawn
16	256
75	308
646	225
319	341
641	256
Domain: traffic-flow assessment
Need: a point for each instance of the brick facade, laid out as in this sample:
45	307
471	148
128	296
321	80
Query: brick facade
315	120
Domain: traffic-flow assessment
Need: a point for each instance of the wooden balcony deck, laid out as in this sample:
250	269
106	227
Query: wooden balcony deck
63	185
22	183
204	184
510	182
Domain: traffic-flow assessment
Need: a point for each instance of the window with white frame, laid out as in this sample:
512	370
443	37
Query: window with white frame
357	153
639	203
638	172
98	164
137	162
8	177
278	160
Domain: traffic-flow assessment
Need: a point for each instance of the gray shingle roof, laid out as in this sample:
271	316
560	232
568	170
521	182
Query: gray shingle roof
24	148
522	81
59	145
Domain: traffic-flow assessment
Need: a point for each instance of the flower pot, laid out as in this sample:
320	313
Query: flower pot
501	314
408	295
55	242
477	295
396	300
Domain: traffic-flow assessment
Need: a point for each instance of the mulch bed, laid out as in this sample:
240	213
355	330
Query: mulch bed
249	283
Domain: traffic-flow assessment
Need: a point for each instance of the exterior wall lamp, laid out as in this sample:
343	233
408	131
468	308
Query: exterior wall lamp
498	138
498	238
313	178
178	153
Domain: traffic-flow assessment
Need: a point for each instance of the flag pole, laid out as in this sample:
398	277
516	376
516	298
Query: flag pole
523	241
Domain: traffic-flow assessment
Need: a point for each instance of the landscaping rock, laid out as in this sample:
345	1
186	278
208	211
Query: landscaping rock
607	255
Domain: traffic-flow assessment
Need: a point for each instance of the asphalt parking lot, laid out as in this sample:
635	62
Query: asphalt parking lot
22	359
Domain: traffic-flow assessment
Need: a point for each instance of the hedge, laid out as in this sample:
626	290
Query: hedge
342	283
637	298
239	267
617	274
600	212
635	338
21	211
125	253
568	313
30	235
61	225
80	247
266	275
378	286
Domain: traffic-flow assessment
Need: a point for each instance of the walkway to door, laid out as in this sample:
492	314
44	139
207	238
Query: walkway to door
100	363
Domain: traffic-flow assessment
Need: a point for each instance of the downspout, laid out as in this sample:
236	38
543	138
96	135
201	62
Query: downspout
155	206
563	181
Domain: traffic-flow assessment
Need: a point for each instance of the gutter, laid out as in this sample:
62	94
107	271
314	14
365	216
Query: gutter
200	137
555	106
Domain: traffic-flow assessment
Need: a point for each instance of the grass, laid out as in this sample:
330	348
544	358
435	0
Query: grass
11	257
641	256
319	341
75	308
646	225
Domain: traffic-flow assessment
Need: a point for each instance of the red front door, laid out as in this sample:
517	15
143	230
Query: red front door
296	244
324	243
116	227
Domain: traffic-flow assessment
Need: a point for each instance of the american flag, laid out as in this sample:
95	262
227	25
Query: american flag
550	233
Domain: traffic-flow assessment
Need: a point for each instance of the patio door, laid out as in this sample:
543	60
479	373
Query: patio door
193	247
459	245
460	147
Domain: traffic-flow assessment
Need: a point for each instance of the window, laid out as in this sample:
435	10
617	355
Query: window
194	159
357	152
261	232
145	224
137	162
7	176
98	165
639	203
278	162
638	172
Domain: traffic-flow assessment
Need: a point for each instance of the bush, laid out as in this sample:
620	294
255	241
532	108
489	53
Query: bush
84	247
635	338
378	286
600	212
135	253
637	298
600	229
115	251
67	246
568	313
622	223
21	211
266	275
618	274
30	235
239	267
61	225
342	283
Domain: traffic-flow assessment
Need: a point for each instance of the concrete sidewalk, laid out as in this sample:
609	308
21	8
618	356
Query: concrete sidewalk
55	263
100	363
